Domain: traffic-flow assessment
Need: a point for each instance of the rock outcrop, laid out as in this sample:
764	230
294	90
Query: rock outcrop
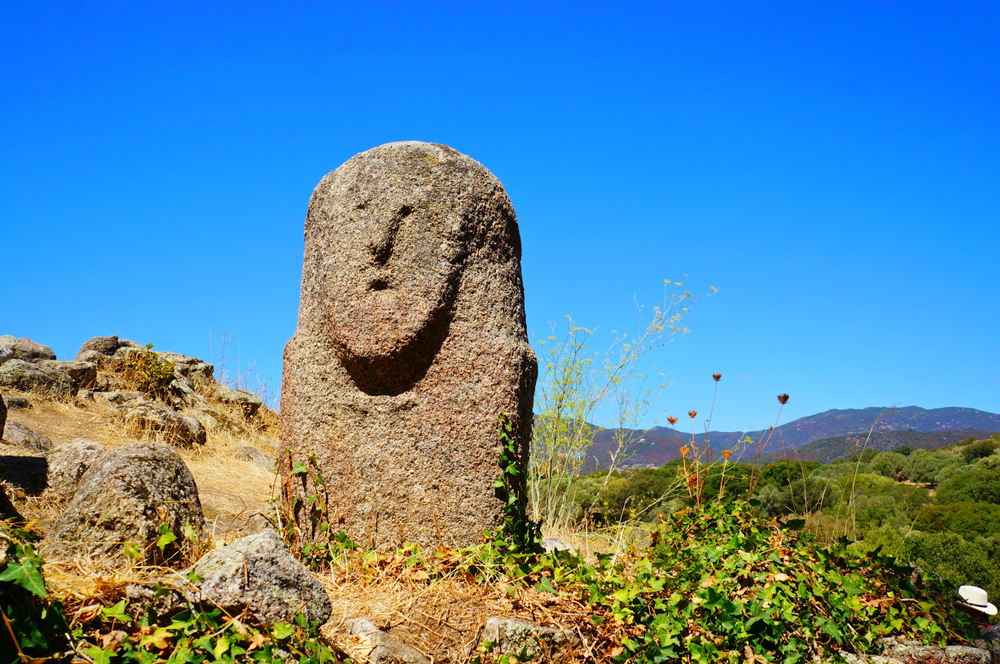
411	346
125	497
26	376
26	349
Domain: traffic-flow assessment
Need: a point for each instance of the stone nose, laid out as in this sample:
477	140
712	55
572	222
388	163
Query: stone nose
383	237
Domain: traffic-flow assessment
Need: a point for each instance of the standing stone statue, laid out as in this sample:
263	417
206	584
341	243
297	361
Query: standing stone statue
411	347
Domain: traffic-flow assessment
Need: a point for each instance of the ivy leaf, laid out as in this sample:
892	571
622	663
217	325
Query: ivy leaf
282	631
221	647
116	612
165	538
26	575
299	468
545	586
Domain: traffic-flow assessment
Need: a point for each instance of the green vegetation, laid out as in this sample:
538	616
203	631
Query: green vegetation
938	509
141	371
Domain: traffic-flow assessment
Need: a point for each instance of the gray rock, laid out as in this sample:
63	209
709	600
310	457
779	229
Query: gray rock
254	456
125	497
551	544
83	374
908	651
367	643
26	349
90	356
27	376
510	636
128	343
411	343
119	400
68	463
5	354
175	428
256	573
189	367
100	345
246	402
27	437
213	419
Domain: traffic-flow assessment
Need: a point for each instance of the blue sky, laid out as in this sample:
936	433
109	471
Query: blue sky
832	168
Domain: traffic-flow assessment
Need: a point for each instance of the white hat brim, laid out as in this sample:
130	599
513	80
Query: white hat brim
989	609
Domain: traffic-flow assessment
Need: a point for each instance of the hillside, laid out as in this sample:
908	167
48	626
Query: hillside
829	450
660	444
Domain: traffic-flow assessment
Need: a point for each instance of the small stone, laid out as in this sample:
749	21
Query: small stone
551	544
27	437
68	463
367	643
510	636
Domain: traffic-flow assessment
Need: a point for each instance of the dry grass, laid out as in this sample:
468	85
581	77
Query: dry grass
431	606
436	607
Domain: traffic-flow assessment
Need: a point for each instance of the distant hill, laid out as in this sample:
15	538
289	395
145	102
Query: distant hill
831	449
660	444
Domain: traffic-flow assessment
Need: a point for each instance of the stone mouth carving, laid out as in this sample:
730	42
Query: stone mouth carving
390	303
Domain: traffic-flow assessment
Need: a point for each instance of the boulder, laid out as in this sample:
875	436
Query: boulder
510	636
125	496
189	367
411	346
120	400
5	353
254	456
27	437
27	376
89	356
246	402
68	463
213	419
83	374
367	643
175	428
26	349
100	345
256	573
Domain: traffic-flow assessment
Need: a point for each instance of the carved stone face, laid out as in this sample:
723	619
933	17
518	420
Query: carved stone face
391	284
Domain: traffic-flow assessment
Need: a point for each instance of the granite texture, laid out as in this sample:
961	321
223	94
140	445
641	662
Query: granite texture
411	344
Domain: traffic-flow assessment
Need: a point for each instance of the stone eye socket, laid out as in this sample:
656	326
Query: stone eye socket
379	285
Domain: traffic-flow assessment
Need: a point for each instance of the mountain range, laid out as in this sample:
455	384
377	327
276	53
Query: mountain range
656	446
